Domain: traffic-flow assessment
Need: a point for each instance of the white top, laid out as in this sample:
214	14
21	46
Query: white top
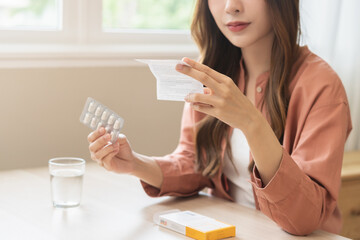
239	186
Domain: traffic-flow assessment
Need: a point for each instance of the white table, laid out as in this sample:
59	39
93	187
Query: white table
113	207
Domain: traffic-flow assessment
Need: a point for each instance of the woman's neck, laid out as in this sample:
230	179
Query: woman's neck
257	57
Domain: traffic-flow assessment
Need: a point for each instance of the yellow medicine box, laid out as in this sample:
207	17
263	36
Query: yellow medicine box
196	225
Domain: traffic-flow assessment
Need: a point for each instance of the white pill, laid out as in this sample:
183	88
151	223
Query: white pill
91	107
93	123
117	124
111	119
105	115
108	129
87	118
98	111
99	125
114	136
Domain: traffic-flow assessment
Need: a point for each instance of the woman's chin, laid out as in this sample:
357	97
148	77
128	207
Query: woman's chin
240	43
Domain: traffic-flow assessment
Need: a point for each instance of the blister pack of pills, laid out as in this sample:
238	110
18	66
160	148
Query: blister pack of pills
96	115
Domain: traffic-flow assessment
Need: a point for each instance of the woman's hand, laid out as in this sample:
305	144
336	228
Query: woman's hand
117	157
222	98
226	102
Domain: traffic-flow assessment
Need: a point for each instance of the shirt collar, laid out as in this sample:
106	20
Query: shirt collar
262	79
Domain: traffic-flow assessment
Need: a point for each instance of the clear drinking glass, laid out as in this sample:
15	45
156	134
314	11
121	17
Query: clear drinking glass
66	177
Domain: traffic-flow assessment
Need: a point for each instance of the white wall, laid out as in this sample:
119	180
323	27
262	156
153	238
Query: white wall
40	110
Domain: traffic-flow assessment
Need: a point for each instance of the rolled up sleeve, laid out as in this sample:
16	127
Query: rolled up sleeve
303	192
178	168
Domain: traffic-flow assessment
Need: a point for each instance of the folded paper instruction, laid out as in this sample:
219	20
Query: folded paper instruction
172	85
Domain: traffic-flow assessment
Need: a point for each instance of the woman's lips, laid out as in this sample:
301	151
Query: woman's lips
237	26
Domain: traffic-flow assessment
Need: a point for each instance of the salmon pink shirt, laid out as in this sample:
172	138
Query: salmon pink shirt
302	195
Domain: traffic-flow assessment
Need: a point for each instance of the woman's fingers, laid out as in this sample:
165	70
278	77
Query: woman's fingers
204	108
96	134
105	151
198	75
218	77
99	143
205	99
212	79
102	153
202	68
106	161
201	104
122	139
207	90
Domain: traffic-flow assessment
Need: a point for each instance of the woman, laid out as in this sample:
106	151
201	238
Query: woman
265	96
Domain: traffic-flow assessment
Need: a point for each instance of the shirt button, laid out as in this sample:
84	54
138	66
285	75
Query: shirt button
259	89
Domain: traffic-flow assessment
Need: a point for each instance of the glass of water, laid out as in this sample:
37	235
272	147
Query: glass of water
66	177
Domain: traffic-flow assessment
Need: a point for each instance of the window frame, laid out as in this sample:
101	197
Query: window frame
82	42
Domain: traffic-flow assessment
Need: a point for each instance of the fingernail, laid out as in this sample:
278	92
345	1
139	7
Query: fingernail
102	130
186	61
187	98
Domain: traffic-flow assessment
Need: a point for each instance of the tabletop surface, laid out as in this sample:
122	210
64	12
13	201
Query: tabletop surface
114	207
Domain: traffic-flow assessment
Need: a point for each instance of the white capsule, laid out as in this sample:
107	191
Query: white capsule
87	118
98	111
99	125
105	115
93	123
108	129
91	107
114	136
111	119
117	124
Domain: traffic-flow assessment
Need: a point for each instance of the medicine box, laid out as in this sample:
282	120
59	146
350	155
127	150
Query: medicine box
196	226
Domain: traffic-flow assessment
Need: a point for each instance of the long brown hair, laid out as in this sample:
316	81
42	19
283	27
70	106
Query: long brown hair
212	43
